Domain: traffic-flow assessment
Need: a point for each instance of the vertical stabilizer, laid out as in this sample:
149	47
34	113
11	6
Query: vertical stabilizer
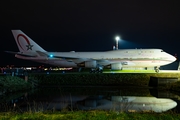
24	43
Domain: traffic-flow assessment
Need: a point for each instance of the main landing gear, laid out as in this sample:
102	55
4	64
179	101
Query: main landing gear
96	70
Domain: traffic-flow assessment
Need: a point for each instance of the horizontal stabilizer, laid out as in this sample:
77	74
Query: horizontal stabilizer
22	54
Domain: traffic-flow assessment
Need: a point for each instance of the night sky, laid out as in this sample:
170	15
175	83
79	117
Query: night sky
90	25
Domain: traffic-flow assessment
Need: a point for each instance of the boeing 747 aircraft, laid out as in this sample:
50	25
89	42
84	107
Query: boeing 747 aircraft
96	61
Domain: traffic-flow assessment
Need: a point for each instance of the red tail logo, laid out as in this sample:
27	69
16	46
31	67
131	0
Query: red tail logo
29	46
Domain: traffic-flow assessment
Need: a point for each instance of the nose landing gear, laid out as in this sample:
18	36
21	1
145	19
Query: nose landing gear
156	69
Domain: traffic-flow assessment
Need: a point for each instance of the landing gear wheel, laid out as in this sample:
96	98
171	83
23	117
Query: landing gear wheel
157	69
96	70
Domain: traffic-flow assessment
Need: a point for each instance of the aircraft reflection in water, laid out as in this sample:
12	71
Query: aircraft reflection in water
114	103
129	104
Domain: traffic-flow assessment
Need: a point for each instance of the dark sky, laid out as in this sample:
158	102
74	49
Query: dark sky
90	25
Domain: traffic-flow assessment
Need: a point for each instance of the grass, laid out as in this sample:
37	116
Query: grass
9	84
135	79
129	71
88	115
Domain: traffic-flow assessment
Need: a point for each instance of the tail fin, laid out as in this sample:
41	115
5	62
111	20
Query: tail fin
24	43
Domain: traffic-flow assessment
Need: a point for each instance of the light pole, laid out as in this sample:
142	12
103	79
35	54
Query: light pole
117	39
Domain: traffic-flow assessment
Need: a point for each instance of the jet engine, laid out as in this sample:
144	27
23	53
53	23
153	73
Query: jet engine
116	66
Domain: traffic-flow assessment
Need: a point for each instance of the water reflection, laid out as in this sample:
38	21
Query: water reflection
129	104
114	99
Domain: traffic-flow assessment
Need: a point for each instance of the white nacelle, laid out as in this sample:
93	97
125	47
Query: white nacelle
90	64
116	66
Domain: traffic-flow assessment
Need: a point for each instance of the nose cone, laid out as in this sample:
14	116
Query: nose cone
172	58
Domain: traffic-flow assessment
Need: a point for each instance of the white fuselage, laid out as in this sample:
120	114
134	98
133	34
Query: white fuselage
126	57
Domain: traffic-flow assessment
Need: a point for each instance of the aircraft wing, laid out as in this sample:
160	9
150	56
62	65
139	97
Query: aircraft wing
69	59
76	59
54	56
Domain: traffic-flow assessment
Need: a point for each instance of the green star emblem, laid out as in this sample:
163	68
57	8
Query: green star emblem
29	47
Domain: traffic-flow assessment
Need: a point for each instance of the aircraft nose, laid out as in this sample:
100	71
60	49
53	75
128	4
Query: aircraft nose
173	58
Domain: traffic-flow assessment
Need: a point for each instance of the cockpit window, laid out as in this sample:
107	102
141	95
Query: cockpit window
162	51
